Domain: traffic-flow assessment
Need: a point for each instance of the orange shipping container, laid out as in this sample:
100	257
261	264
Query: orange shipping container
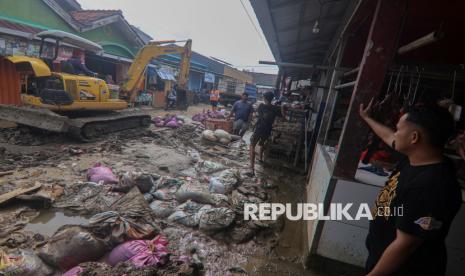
9	83
214	124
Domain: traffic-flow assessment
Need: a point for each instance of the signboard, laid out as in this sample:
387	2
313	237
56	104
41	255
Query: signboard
209	77
222	86
240	88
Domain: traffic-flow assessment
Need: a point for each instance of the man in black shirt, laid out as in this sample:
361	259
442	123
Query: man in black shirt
414	210
262	130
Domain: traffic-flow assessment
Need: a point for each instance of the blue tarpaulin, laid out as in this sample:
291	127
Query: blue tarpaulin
165	75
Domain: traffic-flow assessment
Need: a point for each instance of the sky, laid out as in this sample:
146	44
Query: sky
218	28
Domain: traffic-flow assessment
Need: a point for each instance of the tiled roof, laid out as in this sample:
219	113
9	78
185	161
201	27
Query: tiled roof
86	17
19	27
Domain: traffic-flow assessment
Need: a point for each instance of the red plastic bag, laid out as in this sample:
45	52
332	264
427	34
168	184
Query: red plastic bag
101	173
141	252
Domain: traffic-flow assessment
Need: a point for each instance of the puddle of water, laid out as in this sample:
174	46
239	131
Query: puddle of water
49	221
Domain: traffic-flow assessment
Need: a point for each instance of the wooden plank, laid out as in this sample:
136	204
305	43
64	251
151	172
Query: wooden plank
17	192
6	173
380	49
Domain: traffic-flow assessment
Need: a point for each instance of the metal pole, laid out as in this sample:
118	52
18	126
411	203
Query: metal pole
422	41
303	65
344	85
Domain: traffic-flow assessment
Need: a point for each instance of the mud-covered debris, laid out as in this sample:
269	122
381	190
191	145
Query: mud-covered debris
127	225
194	191
23	262
13	221
163	209
225	182
144	181
86	198
187	214
210	167
215	219
72	245
27	136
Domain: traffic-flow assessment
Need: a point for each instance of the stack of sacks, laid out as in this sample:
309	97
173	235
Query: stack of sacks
171	121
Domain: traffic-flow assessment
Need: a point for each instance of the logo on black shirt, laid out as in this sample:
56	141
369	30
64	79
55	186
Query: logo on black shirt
428	223
385	197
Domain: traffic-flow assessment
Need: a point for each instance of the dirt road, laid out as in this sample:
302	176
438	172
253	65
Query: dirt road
61	165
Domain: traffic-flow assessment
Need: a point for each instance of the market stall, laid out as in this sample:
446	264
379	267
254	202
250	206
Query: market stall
289	143
401	53
422	67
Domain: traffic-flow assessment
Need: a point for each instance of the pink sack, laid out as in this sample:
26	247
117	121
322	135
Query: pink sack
197	117
141	252
75	271
101	173
173	124
160	123
157	119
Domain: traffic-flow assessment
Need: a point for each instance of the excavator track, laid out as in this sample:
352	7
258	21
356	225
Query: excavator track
89	129
85	129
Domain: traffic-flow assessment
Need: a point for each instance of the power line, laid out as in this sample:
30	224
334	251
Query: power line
253	24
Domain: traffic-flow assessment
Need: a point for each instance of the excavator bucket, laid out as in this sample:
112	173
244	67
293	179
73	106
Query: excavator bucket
34	117
85	129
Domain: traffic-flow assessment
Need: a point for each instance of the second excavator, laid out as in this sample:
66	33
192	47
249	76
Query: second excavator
81	105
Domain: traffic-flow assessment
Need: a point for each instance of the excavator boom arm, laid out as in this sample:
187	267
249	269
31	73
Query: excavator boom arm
184	65
147	53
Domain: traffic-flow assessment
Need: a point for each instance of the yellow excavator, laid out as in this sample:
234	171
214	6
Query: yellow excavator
62	102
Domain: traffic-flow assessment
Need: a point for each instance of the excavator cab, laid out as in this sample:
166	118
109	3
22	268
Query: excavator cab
48	97
62	91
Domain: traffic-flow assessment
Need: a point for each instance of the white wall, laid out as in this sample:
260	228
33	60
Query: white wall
317	188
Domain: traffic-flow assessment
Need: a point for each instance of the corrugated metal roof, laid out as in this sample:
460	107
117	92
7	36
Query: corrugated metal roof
177	58
165	75
86	17
288	27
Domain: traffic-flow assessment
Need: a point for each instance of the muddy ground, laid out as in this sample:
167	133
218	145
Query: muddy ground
58	164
